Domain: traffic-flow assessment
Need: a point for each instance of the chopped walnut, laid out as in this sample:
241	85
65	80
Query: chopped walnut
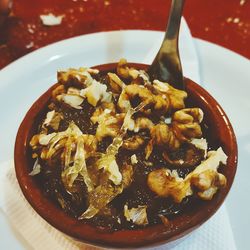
60	89
124	71
84	86
208	182
205	178
186	123
130	92
81	77
133	91
176	96
185	126
139	77
164	135
73	101
163	184
161	104
105	107
142	123
96	92
122	68
133	143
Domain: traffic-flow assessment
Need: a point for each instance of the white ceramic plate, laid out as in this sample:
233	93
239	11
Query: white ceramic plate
224	74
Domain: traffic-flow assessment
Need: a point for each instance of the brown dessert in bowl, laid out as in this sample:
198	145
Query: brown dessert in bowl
114	159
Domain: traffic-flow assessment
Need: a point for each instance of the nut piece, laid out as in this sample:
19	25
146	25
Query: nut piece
143	123
205	178
60	89
96	92
163	135
164	184
133	143
133	91
73	101
208	183
176	96
185	126
124	71
185	123
81	77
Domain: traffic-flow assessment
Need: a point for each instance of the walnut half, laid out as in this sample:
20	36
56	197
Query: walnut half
185	126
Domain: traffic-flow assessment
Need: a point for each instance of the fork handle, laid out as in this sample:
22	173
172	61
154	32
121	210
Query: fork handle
167	65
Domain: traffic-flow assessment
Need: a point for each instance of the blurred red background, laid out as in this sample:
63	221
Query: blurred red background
225	22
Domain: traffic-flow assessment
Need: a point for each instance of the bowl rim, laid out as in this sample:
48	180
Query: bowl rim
153	235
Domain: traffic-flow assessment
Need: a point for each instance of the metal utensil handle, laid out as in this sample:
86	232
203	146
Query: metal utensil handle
167	65
172	31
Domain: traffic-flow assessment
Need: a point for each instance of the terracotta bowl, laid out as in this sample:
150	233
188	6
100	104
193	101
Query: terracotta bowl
219	133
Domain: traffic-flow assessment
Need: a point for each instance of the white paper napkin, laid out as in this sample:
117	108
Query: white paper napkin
216	234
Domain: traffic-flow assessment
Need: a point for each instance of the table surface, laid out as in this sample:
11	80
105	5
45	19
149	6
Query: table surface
225	22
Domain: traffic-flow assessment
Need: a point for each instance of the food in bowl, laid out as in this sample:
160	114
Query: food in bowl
119	151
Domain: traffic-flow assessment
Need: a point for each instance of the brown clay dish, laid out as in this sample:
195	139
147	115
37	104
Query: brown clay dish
220	132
